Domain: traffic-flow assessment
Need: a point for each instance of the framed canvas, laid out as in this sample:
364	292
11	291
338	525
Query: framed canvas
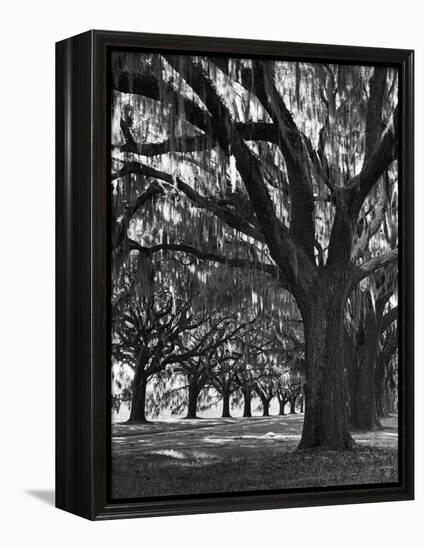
234	274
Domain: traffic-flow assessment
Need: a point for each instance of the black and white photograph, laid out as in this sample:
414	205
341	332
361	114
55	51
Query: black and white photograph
254	221
211	237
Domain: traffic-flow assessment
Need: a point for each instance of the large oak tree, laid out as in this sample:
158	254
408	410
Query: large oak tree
288	160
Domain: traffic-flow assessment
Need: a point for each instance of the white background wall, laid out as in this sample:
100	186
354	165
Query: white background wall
29	30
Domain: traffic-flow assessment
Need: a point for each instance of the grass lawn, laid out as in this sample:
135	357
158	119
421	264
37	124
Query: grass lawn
183	457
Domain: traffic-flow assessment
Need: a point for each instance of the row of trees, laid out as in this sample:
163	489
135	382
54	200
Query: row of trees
185	391
183	352
184	355
285	175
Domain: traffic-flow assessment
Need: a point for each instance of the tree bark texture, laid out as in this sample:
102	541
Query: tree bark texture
247	408
193	394
226	405
326	414
282	405
138	405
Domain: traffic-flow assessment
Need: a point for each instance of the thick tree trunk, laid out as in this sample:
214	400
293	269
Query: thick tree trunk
352	365
282	405
386	397
365	417
193	394
380	401
226	405
391	400
380	390
293	406
353	376
301	404
247	409
265	406
138	405
326	415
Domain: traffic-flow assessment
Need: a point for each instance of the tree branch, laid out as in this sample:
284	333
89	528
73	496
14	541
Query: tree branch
373	119
241	263
295	154
369	229
282	250
252	131
234	220
148	85
183	144
389	318
378	161
121	227
375	264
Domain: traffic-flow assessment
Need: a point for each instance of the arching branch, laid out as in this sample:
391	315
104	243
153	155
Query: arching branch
389	318
121	227
148	85
373	119
230	216
241	263
374	264
280	246
295	154
369	229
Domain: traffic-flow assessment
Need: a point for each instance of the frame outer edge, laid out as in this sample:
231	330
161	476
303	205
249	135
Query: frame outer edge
81	194
407	267
74	418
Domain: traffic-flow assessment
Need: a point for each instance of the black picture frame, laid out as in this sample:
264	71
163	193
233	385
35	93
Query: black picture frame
82	271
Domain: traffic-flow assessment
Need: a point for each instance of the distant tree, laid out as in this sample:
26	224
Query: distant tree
225	378
134	331
373	315
282	394
256	353
266	386
204	354
148	336
386	373
198	373
246	378
289	388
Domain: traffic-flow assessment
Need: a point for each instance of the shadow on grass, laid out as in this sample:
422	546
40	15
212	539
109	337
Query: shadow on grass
245	455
